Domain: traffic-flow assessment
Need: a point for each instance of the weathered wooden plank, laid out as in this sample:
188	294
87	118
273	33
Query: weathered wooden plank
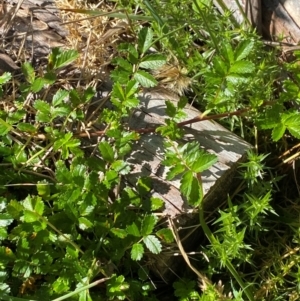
273	18
148	153
217	181
293	9
251	9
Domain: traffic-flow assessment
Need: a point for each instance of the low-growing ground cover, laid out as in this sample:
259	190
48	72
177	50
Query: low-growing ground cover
68	231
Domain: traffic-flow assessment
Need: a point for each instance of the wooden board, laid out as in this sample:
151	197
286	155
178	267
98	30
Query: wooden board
275	19
146	160
212	137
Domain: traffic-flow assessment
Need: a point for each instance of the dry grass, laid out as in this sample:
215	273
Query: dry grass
95	38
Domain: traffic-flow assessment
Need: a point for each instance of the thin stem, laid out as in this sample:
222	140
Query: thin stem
80	289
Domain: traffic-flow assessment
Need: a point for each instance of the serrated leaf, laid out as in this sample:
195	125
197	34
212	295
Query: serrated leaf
166	235
65	58
137	252
133	230
152	61
278	132
30	216
4	127
292	123
242	67
121	167
170	109
59	97
5	219
131	88
152	243
156	203
26	127
59	142
145	37
144	185
34	204
148	224
38	84
43	189
145	79
243	49
28	72
106	151
182	102
220	67
175	170
5	77
43	111
121	233
204	162
84	223
118	94
190	188
236	79
227	52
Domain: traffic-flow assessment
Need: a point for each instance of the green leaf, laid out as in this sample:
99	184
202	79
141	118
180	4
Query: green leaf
5	219
57	145
85	223
118	94
236	79
145	37
156	203
148	224
165	235
144	185
203	162
43	189
43	111
152	61
292	122
122	167
175	170
28	72
137	252
26	127
122	65
5	77
170	109
59	97
4	127
243	50
191	189
38	84
220	67
131	88
64	58
152	243
106	151
242	67
133	230
278	132
34	204
121	233
227	52
145	79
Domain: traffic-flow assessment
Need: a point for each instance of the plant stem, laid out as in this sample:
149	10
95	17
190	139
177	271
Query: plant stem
81	289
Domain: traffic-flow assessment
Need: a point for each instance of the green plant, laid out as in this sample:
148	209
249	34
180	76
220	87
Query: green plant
71	227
